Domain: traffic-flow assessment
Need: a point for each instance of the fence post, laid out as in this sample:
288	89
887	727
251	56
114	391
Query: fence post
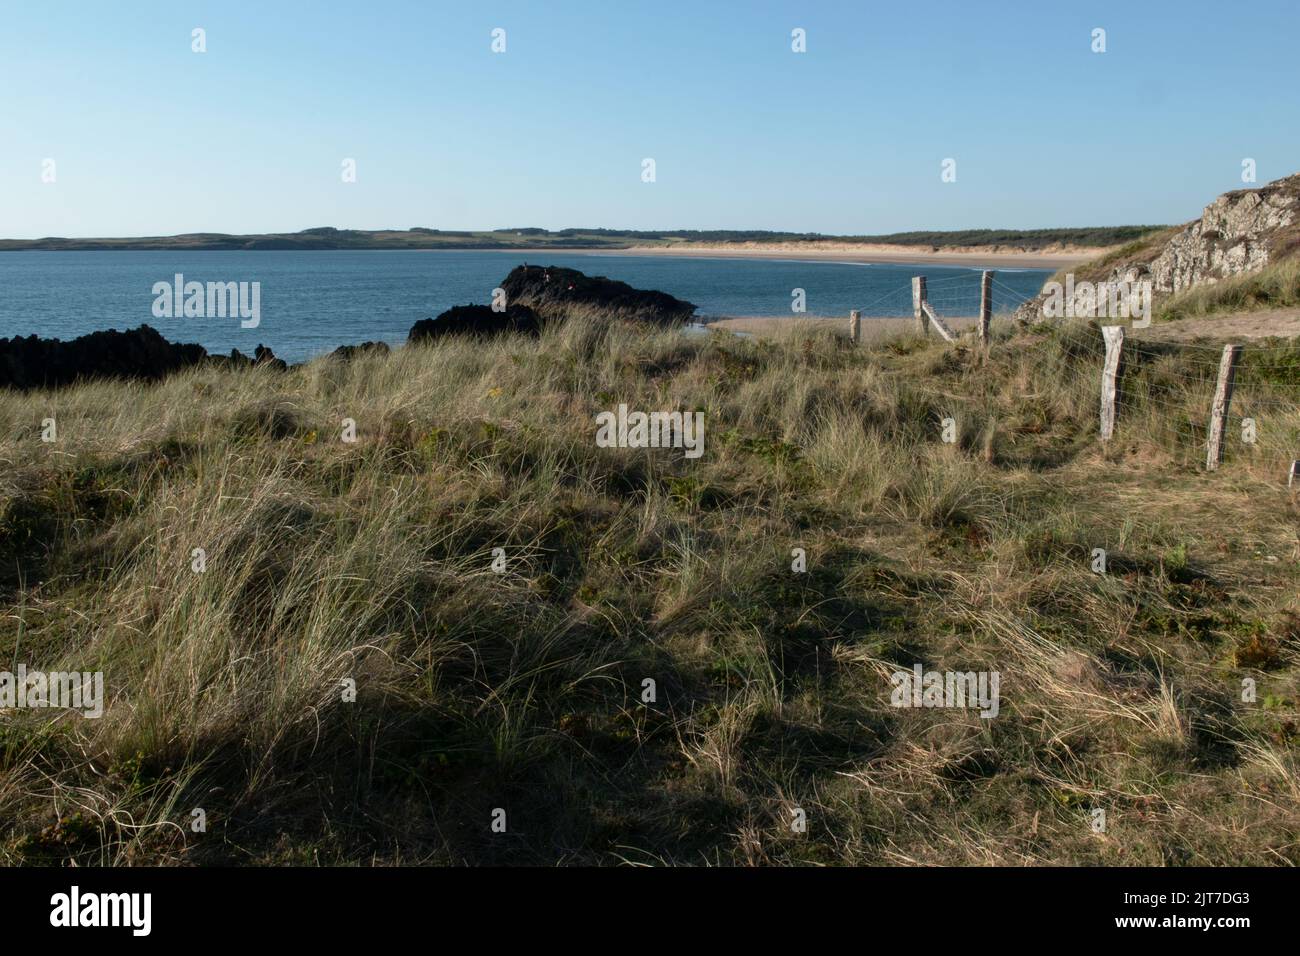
937	323
1114	336
855	326
986	304
1219	411
918	303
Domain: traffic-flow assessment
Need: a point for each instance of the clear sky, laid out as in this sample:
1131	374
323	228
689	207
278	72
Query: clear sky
150	138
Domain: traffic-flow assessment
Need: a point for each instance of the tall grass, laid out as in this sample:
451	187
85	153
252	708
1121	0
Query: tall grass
1275	286
370	564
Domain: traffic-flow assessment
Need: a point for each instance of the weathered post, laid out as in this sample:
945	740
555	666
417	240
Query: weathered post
1295	473
986	304
947	334
1114	336
918	303
1219	411
855	326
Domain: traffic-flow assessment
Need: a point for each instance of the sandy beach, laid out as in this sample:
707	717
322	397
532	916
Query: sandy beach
976	256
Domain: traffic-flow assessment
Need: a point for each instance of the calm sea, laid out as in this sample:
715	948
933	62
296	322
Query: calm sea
312	302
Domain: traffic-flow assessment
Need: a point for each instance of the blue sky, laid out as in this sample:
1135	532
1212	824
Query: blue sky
151	138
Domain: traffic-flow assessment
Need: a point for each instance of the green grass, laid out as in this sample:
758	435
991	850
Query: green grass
1141	247
372	562
1275	286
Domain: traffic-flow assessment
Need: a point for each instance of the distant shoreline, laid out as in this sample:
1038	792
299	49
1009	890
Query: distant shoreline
877	254
864	255
1061	249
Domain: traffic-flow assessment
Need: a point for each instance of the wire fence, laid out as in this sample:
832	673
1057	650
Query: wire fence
1236	404
1228	405
951	297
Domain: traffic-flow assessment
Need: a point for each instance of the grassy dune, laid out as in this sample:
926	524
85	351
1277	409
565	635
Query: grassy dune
372	561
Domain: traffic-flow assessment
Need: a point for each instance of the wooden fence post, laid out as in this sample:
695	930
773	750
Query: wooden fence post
1295	473
1219	411
1114	335
918	303
939	325
855	326
986	304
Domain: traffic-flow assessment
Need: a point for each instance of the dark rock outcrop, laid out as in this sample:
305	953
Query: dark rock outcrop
236	359
345	353
540	294
262	355
555	292
476	320
141	353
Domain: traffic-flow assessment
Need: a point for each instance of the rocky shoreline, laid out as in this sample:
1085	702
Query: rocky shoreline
528	298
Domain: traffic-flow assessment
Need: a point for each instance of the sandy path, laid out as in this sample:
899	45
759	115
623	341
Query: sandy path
1284	323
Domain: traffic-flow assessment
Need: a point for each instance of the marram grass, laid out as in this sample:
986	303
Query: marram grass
498	590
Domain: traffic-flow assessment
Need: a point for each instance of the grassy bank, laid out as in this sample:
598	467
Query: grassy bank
1275	286
330	561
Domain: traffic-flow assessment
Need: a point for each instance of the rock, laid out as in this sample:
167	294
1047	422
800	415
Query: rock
556	292
476	320
346	353
141	353
539	294
1240	232
262	355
